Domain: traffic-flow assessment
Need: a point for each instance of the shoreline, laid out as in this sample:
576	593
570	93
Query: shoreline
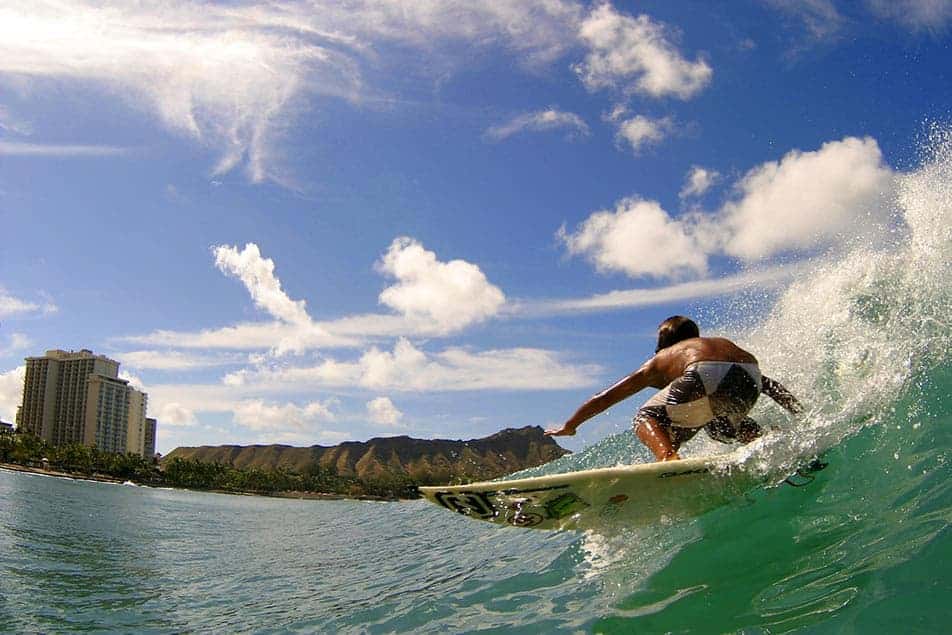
101	478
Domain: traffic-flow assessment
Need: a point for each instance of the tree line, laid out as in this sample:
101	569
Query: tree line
82	460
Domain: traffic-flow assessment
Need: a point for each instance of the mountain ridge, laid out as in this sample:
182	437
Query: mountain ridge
425	461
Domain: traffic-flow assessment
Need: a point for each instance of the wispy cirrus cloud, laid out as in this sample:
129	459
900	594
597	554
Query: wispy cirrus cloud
765	279
234	76
12	124
931	15
540	121
16	343
237	77
20	149
11	305
176	360
821	18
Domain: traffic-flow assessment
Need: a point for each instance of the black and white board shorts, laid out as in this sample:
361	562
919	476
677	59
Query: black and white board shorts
707	392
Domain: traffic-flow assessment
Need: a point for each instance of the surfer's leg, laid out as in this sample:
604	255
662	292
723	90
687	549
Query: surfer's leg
654	429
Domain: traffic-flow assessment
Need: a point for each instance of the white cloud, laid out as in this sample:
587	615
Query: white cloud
640	132
432	298
17	342
915	14
134	380
257	274
15	148
820	17
804	201
447	295
174	414
174	360
408	368
807	199
676	293
638	238
233	76
276	336
381	410
635	55
256	414
698	181
540	121
10	305
11	392
12	124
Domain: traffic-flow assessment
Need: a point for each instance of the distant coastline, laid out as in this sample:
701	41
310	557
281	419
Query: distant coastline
16	467
381	469
100	478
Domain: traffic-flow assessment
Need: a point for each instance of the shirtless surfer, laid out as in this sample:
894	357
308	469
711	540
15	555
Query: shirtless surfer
706	382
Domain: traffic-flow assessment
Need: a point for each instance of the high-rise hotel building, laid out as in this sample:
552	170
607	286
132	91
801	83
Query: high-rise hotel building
77	397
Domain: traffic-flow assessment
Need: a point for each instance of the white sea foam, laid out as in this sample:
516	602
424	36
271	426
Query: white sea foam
850	336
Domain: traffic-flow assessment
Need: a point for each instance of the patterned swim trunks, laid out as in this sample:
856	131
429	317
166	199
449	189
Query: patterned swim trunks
719	394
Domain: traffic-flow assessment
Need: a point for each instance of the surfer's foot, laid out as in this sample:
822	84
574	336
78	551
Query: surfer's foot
672	457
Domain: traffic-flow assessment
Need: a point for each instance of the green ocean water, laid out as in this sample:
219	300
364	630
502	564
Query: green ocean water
863	338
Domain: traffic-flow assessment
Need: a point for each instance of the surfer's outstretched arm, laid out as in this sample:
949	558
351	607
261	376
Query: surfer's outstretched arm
776	391
641	378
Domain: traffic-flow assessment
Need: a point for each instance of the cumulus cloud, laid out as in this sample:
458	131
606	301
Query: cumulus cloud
637	238
540	121
134	380
807	199
917	15
173	413
382	411
636	55
449	295
11	392
257	274
232	76
698	181
804	201
257	414
430	297
640	132
408	368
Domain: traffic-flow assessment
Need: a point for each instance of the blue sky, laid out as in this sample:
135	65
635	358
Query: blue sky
311	221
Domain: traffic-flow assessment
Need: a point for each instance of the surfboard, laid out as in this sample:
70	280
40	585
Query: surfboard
636	495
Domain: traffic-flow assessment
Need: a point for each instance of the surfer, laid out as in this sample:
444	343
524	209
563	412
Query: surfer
705	382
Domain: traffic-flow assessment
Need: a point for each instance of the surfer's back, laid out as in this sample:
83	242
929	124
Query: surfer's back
670	362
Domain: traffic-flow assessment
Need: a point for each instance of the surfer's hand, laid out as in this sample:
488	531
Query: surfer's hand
564	431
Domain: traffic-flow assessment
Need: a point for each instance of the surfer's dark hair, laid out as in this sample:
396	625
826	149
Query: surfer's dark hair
675	329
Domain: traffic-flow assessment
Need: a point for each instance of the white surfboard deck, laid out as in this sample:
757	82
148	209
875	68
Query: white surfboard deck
635	495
